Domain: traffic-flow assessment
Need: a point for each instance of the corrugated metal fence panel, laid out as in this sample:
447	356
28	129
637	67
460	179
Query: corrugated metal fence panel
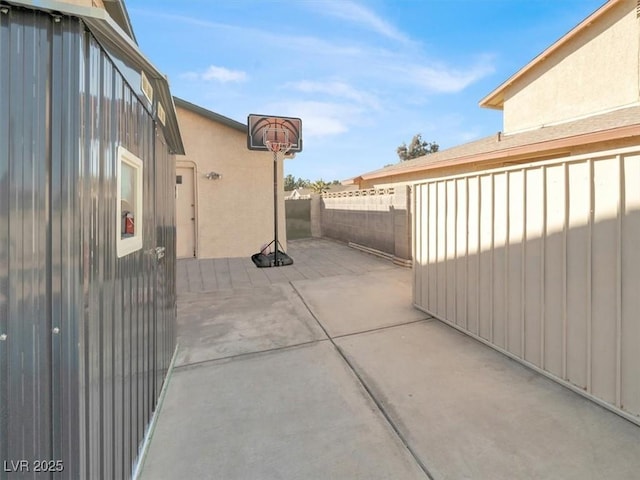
25	353
5	196
541	262
66	259
84	395
165	338
118	340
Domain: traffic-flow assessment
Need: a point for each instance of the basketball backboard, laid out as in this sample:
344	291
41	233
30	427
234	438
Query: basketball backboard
266	129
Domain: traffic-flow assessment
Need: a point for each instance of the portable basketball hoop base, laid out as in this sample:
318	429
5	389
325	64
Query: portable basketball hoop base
280	136
273	259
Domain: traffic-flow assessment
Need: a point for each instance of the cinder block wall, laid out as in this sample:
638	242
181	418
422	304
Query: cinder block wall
379	219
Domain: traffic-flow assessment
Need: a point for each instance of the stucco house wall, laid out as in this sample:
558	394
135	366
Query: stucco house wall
588	73
234	213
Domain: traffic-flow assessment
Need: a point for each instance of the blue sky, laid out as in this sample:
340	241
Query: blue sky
364	75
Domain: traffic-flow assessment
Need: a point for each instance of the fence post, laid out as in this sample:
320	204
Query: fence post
316	219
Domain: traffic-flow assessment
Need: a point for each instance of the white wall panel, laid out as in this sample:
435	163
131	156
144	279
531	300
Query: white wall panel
541	261
604	252
500	225
533	272
450	248
579	274
515	260
486	256
473	234
554	268
461	252
630	301
441	240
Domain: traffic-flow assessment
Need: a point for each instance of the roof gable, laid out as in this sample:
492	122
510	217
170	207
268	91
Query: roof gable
496	98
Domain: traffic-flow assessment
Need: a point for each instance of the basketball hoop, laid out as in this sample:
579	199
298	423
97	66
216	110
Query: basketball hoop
280	136
278	147
276	139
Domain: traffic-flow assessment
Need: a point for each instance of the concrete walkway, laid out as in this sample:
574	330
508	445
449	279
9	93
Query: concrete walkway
322	370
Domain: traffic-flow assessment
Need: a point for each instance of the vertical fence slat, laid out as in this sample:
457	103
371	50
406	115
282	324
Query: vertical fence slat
523	263
543	244
589	279
565	228
619	220
507	242
630	279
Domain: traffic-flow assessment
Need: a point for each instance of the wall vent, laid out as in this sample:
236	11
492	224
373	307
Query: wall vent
146	87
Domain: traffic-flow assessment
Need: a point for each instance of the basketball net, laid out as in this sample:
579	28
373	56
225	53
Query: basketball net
278	147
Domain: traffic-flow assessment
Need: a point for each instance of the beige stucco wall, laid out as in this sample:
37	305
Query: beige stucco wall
234	215
595	72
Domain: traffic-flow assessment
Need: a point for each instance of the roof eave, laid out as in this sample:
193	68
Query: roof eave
516	153
216	117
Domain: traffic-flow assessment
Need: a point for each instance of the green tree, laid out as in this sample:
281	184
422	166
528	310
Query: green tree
289	183
417	148
303	183
319	186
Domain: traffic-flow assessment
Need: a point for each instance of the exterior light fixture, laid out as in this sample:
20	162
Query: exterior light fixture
213	176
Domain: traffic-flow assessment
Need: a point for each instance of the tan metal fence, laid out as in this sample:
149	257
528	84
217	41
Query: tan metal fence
542	262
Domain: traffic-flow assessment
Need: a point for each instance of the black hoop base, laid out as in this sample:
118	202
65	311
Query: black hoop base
274	259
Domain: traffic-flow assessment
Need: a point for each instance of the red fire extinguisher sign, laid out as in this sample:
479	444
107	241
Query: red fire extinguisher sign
129	227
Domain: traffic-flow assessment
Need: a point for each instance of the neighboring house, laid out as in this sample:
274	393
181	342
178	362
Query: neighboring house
580	95
303	193
298	194
528	240
88	134
224	191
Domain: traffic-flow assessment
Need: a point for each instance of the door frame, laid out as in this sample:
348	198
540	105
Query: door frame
191	165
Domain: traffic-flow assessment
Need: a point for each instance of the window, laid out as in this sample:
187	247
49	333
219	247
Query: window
129	221
179	179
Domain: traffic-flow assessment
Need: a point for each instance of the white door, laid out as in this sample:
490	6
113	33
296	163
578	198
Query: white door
185	213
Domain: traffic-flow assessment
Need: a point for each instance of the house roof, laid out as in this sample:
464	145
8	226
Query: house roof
553	139
341	188
495	99
216	117
111	34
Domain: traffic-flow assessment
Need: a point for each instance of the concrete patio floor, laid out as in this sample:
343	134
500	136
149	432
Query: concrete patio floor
323	370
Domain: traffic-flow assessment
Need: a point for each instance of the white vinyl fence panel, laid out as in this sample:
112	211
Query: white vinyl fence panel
542	262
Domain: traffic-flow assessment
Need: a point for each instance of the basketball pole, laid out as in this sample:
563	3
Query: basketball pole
275	206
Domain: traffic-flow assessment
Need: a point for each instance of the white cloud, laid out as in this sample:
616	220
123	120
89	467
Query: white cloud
321	119
336	89
356	13
219	74
310	45
443	79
